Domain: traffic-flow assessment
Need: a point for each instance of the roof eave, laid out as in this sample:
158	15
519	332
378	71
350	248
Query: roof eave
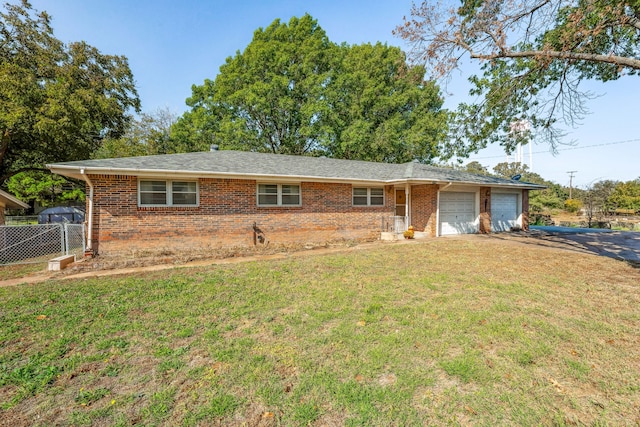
520	186
76	172
12	202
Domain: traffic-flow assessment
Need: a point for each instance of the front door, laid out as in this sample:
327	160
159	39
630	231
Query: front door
401	203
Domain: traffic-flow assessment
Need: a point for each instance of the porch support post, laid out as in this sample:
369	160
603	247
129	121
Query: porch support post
406	205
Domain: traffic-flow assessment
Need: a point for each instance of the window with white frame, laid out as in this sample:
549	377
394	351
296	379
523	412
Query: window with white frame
279	195
368	196
167	193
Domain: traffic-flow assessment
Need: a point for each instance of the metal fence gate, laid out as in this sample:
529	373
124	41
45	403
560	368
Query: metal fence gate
395	224
30	244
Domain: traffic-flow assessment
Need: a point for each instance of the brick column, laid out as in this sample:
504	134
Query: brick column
485	210
424	203
525	210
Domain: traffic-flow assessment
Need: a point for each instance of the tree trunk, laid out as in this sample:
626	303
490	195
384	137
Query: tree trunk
4	146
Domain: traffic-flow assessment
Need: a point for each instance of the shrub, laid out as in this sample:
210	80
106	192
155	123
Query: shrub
572	205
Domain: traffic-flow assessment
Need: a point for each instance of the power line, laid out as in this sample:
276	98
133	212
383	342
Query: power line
565	149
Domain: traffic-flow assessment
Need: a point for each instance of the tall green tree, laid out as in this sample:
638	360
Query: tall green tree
534	56
270	96
595	198
58	102
293	91
45	188
552	197
626	196
476	167
381	108
510	169
148	134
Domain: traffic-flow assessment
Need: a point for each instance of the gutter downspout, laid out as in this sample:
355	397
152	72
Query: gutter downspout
438	209
89	248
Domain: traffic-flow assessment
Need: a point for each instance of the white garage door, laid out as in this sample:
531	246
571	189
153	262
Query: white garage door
504	211
457	213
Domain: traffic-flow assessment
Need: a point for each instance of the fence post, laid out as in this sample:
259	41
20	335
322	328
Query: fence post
65	239
61	238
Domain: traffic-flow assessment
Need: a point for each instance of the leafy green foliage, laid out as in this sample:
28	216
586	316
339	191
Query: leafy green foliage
509	170
626	196
572	205
608	197
269	97
58	102
293	91
147	135
45	188
476	167
381	109
552	197
596	199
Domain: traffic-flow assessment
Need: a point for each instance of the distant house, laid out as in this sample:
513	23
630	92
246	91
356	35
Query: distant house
9	201
228	198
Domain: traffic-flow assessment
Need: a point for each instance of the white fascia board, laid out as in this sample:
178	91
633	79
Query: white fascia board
74	172
519	186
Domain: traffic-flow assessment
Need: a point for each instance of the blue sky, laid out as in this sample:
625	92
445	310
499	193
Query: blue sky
172	45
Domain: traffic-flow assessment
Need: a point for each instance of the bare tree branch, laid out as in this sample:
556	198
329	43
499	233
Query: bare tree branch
534	55
609	59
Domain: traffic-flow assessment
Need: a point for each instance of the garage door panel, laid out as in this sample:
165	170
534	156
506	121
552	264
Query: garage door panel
504	211
457	213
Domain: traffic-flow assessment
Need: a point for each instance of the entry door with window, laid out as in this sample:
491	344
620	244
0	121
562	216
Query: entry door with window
401	203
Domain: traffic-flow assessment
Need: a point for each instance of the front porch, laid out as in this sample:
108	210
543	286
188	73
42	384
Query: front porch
393	228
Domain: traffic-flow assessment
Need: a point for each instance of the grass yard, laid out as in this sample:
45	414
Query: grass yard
21	270
440	332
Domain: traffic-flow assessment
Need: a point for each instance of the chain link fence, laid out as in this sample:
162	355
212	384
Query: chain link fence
30	244
21	220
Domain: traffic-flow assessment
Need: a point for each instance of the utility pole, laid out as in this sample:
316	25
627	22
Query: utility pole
571	173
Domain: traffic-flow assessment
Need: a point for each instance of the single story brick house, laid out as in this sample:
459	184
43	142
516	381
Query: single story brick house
9	201
233	198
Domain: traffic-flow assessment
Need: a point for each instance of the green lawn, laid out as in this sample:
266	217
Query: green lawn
21	270
445	332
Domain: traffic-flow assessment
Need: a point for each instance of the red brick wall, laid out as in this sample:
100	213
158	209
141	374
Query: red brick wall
226	215
485	210
525	210
424	205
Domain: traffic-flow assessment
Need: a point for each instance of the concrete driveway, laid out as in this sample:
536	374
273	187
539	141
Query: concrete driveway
622	245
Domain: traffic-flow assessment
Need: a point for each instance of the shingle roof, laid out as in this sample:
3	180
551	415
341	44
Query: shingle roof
264	165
